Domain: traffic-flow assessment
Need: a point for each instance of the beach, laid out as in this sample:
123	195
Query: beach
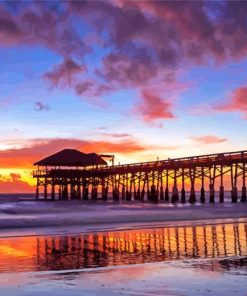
109	248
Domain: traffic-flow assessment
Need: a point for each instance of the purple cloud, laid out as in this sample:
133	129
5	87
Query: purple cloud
39	106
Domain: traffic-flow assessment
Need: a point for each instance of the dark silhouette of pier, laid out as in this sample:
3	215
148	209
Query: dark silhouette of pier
71	174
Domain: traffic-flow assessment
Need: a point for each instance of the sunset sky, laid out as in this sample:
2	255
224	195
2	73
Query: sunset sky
138	79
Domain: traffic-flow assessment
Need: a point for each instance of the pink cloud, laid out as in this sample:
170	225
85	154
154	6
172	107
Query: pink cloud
209	139
126	72
153	107
237	101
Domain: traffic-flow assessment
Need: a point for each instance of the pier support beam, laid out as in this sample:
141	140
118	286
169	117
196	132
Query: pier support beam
138	194
222	194
174	194
45	192
60	193
94	193
202	196
167	194
234	194
234	175
161	193
128	195
175	189
72	191
65	192
143	194
183	196
37	193
192	198
211	193
153	193
85	193
123	193
167	187
115	194
78	193
243	196
53	192
221	185
104	193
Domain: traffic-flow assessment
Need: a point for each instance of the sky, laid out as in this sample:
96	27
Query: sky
138	79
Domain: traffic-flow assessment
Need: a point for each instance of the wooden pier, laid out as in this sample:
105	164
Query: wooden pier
71	174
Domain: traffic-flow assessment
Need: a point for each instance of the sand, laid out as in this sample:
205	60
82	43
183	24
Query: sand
183	278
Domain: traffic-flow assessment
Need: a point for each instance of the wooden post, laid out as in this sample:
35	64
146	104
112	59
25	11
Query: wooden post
243	197
202	196
211	185
45	189
234	183
192	198
183	198
53	191
161	186
167	187
175	188
221	185
37	189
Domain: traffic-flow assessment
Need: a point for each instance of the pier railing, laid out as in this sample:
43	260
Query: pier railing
225	159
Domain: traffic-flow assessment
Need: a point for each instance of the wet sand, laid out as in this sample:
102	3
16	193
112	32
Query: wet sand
149	279
184	260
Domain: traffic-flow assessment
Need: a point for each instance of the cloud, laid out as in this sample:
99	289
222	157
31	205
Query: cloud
94	90
115	135
139	41
40	24
64	75
237	102
40	148
153	107
209	139
216	29
39	106
14	184
126	72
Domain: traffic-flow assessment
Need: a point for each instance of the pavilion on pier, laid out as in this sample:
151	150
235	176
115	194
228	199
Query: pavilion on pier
64	172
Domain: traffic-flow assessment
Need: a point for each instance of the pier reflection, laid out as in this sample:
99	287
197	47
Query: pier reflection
125	247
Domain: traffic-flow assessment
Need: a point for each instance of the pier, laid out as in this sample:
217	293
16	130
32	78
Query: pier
71	174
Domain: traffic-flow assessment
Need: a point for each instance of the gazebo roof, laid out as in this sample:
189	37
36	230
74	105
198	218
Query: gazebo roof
71	157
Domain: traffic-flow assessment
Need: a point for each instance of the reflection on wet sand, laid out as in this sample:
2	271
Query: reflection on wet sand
125	247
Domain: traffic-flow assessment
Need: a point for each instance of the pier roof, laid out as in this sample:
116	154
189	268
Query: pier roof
71	157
